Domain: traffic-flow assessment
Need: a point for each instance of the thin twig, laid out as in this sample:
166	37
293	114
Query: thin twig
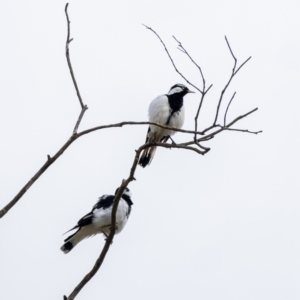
79	119
50	160
222	128
242	65
235	60
244	130
234	72
121	124
69	60
228	108
172	59
180	47
203	92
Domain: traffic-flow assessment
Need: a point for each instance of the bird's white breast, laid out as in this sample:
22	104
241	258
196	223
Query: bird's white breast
159	112
102	217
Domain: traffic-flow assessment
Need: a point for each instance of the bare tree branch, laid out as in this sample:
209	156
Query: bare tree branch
244	130
234	72
182	49
69	60
50	160
121	124
79	119
228	108
68	41
203	92
172	59
222	128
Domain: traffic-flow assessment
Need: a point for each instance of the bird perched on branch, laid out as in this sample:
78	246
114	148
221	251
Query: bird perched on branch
165	110
99	219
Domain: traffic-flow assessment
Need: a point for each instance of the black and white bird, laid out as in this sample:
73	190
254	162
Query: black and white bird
99	219
165	110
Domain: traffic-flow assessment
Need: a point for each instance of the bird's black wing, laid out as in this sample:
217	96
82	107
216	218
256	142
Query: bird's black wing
104	202
147	138
86	220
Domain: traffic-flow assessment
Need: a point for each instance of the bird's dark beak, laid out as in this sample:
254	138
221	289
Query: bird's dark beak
189	91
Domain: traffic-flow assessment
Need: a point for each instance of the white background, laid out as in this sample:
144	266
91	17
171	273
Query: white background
222	226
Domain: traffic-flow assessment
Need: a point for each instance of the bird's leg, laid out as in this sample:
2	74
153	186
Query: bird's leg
152	142
173	143
106	237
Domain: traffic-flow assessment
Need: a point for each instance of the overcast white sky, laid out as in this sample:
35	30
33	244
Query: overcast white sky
223	226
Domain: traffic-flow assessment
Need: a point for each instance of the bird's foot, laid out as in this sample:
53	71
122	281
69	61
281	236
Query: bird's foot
110	242
173	143
106	237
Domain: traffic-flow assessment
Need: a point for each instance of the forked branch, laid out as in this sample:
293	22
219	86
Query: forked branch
234	72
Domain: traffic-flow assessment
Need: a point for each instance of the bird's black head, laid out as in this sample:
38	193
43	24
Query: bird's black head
179	89
126	195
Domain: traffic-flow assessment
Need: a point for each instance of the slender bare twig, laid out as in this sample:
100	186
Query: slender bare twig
68	58
79	119
244	130
222	128
182	49
121	124
234	72
172	59
203	92
235	60
228	108
68	41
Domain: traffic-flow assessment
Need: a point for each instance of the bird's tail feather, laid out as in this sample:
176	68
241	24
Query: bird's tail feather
74	239
147	156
